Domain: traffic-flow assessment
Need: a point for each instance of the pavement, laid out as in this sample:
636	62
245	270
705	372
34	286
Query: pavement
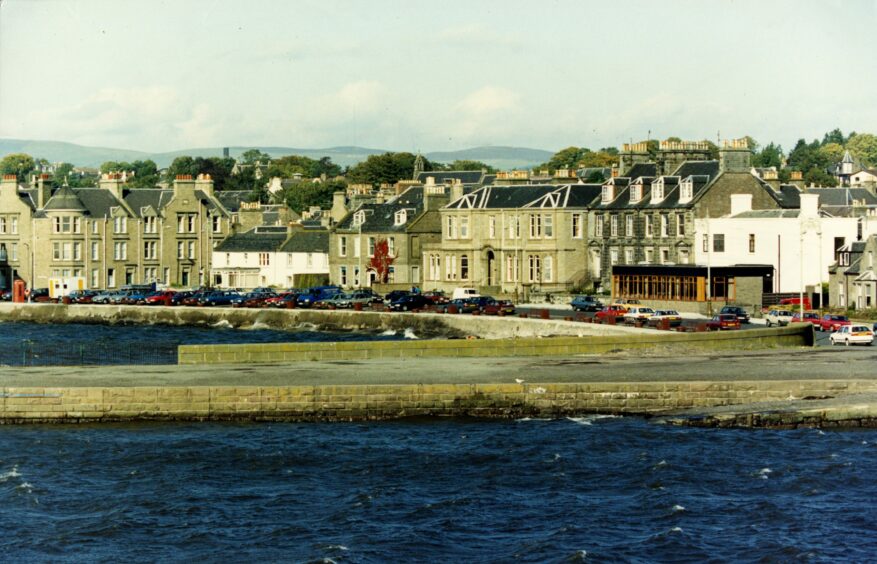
839	363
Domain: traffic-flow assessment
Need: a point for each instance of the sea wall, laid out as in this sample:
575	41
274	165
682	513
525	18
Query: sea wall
422	324
373	402
656	341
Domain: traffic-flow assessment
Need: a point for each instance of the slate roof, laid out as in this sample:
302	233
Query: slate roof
307	241
772	214
642	169
231	199
513	196
141	198
843	196
568	196
707	168
64	198
256	240
381	218
585	172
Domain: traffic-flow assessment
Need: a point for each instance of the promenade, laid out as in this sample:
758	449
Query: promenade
774	388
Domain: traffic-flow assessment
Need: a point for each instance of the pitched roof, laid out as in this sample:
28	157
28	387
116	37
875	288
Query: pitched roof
703	168
141	198
568	196
64	198
513	196
231	199
843	196
97	201
442	176
642	169
258	239
381	218
307	241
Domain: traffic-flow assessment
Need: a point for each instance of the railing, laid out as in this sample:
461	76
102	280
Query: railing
36	353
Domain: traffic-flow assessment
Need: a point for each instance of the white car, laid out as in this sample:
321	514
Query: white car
852	335
778	317
641	313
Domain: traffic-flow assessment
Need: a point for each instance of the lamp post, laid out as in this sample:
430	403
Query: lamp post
31	277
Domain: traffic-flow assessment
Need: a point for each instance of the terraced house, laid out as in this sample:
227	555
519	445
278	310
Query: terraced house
646	219
110	236
512	239
407	223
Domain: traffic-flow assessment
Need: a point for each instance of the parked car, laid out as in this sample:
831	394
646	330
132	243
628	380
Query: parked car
135	297
809	317
586	303
102	297
722	322
499	307
283	300
853	335
613	310
637	313
219	298
159	297
40	295
626	302
410	302
831	322
459	303
741	313
436	296
82	296
671	315
463	292
395	295
316	294
6	296
179	298
253	299
779	317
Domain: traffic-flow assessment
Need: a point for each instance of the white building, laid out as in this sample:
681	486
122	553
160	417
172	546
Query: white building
799	243
282	257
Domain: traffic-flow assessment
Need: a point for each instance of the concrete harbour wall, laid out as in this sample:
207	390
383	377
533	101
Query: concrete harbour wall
366	402
793	336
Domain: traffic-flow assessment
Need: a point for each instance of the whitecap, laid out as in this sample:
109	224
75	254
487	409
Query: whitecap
260	325
764	472
589	419
525	419
11	474
677	508
337	547
25	486
676	530
409	334
223	324
388	333
661	463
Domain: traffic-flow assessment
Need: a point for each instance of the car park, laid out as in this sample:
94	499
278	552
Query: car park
741	313
253	299
159	297
395	295
283	300
499	307
458	305
219	298
586	303
437	297
832	322
853	334
82	296
779	317
409	303
723	322
670	315
315	294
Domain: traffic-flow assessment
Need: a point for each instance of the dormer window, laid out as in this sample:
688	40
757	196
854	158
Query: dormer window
658	190
401	217
686	190
608	193
636	193
358	218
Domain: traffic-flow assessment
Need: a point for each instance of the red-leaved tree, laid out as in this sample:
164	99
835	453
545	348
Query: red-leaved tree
381	260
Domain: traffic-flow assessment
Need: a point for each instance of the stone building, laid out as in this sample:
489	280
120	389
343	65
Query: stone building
407	223
110	236
647	218
512	239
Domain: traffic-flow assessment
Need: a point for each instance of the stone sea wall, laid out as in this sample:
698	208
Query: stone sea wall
366	402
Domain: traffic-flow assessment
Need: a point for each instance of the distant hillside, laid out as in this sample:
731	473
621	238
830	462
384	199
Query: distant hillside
80	155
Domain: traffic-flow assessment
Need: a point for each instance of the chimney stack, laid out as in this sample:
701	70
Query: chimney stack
112	181
339	206
456	191
205	184
44	190
184	186
809	205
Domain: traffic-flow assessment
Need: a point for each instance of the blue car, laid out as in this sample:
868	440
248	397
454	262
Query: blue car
220	298
586	303
315	294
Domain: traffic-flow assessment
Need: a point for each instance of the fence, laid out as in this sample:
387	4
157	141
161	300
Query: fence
86	353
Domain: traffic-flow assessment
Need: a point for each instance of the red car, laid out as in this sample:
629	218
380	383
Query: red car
723	322
614	310
809	317
831	322
158	298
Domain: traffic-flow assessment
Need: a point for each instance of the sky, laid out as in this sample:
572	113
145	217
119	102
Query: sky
158	75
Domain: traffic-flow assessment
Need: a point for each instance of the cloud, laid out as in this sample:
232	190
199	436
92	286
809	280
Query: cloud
487	102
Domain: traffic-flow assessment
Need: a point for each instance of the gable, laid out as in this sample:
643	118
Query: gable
715	199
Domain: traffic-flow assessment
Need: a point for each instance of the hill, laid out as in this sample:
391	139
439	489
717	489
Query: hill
81	155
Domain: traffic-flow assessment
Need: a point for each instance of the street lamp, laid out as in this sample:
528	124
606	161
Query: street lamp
31	277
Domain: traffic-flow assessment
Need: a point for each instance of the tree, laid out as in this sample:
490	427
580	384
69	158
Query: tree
769	155
470	165
181	166
863	146
597	159
835	136
832	152
253	156
565	158
303	195
219	169
819	177
381	261
19	164
388	168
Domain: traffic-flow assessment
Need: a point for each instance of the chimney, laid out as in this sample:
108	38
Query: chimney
339	206
740	203
205	184
184	186
735	156
44	190
112	181
379	198
10	181
809	205
430	180
456	191
434	199
293	227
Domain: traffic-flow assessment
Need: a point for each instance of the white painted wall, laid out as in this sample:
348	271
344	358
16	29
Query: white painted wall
280	270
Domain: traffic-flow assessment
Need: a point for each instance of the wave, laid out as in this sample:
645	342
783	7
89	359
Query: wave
388	333
222	324
589	419
14	473
409	334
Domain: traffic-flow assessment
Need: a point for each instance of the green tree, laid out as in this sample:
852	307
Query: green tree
62	173
863	146
303	195
219	169
19	164
470	165
819	177
768	156
181	166
565	158
597	159
832	152
252	156
835	136
387	168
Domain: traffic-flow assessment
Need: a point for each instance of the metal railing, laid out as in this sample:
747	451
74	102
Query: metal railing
86	353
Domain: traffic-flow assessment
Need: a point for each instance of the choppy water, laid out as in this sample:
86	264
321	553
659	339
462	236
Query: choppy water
36	344
461	491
